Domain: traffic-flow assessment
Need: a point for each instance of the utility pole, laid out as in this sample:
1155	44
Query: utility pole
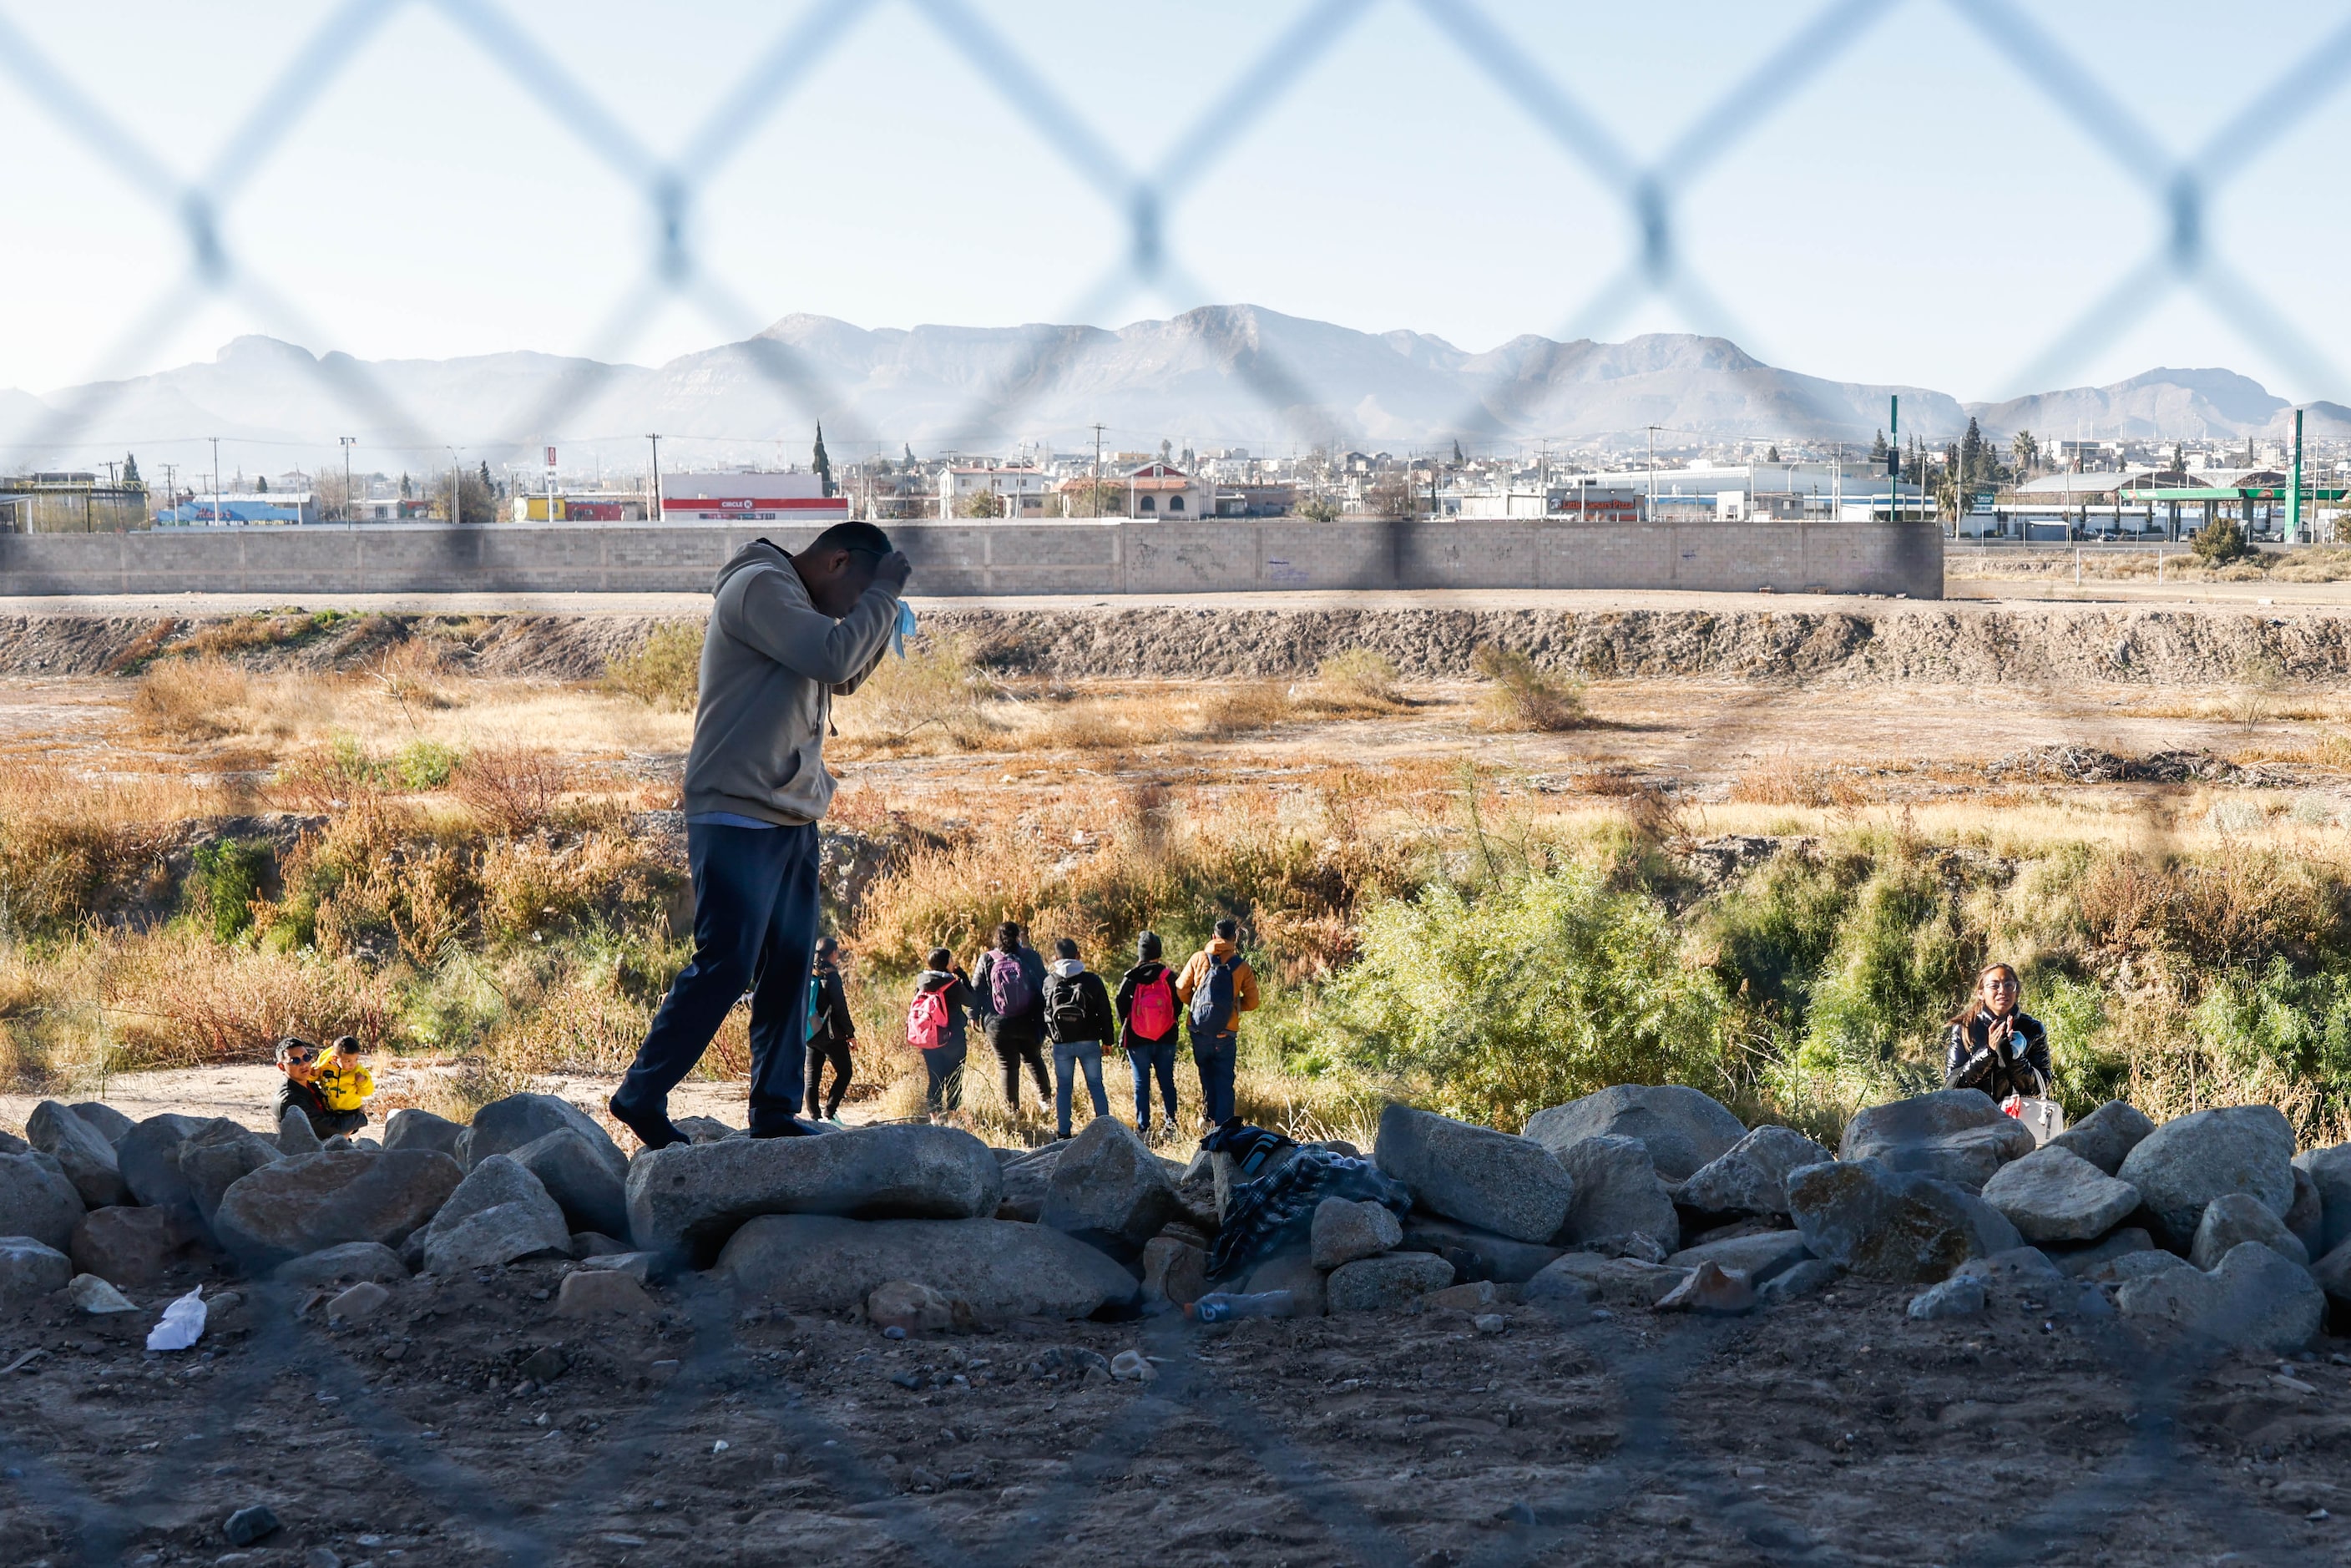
2293	506
1653	471
1894	458
1093	494
171	491
215	441
457	489
347	441
659	516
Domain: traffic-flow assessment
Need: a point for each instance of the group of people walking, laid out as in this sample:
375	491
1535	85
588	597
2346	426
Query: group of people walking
1025	1006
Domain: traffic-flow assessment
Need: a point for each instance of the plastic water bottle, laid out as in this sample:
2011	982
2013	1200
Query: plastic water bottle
1219	1307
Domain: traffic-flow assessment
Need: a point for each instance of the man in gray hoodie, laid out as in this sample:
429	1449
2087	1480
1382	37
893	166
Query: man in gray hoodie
787	633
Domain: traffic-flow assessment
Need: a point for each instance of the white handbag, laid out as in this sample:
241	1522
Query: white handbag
2044	1118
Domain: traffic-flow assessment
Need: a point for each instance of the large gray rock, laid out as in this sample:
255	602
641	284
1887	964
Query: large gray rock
1751	1175
1902	1123
125	1245
351	1261
1960	1296
111	1125
413	1129
295	1135
1759	1257
86	1153
576	1176
2256	1300
2107	1135
2306	1215
1109	1190
1511	1185
1682	1128
2330	1172
30	1268
498	1215
2127	1266
215	1155
149	1157
2080	1261
1383	1284
688	1198
502	1126
810	1262
1617	1193
2334	1275
2054	1194
316	1201
1476	1254
1582	1277
37	1200
1295	1272
1345	1230
2184	1164
1967	1158
1026	1173
2234	1219
1893	1225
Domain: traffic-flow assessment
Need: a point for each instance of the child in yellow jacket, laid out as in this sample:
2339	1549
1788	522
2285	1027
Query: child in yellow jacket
343	1078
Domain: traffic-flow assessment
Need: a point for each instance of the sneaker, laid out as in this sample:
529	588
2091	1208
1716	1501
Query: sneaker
652	1128
790	1127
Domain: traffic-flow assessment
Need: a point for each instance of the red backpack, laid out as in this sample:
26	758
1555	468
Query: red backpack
927	1019
1152	1016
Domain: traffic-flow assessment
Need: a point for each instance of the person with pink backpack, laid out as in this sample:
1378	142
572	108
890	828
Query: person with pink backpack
1148	1014
936	1026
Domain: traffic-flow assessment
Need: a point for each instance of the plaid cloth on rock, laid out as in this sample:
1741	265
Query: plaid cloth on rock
1277	1209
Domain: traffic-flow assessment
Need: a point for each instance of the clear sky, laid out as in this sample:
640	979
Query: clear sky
1900	199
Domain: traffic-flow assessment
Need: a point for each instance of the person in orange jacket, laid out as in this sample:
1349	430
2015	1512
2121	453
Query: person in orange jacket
1215	988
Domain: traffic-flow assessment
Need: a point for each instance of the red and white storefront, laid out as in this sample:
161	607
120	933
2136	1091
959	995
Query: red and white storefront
750	498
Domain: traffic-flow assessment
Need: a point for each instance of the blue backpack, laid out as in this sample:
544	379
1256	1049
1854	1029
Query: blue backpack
1212	1003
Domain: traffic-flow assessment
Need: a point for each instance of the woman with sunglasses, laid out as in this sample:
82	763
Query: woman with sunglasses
298	1059
1996	1046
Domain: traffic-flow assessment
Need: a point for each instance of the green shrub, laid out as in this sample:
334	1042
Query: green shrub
1773	932
665	672
1901	964
424	764
2219	542
2297	1026
1546	987
227	877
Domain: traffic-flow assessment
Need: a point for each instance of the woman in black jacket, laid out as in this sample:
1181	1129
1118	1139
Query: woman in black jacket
1995	1046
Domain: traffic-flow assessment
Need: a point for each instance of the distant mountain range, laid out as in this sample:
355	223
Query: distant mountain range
1221	376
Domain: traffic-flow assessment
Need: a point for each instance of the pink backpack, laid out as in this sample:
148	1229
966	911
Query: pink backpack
1152	1016
927	1019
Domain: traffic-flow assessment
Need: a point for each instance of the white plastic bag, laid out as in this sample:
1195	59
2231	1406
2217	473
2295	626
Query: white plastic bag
2043	1118
183	1324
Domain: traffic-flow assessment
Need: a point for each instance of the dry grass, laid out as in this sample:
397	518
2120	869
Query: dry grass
1359	683
1782	780
1525	696
511	789
192	699
1242	708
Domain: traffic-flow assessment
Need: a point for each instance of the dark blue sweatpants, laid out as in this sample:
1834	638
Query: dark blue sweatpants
755	915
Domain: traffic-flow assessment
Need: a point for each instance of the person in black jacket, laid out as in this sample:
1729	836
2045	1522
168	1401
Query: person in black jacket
1078	1021
1150	1054
1015	1037
298	1059
942	1040
1994	1045
829	1029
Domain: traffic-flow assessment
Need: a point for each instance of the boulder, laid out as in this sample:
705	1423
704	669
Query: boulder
2017	1266
2234	1219
1960	1296
2080	1261
37	1200
414	1129
2332	1272
1901	1122
576	1176
1586	1277
111	1125
1681	1128
502	1126
95	1296
295	1134
1751	1175
316	1201
1174	1271
2107	1135
909	1307
1893	1225
1383	1284
1759	1257
215	1155
126	1245
689	1197
1109	1190
602	1292
594	1244
2256	1300
1812	1274
2306	1215
10	1144
1711	1291
1345	1231
815	1262
706	1129
1476	1254
637	1265
30	1268
357	1304
1511	1185
1295	1272
149	1157
2054	1194
2329	1171
1196	1193
84	1153
1616	1194
498	1215
1026	1173
2184	1164
351	1262
1469	1296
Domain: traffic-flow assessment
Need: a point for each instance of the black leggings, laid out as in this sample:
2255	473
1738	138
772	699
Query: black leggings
1013	1047
820	1052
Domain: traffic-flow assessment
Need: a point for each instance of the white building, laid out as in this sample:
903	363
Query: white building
749	497
1019	489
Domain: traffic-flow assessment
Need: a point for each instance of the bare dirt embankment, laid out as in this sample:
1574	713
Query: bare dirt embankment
1864	641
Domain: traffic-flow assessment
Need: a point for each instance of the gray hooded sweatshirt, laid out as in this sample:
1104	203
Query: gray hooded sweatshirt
771	662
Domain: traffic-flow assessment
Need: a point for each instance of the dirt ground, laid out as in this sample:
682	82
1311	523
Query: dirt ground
1832	1429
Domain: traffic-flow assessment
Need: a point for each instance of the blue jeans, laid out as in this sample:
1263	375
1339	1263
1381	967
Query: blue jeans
1214	1055
755	917
943	1067
1150	1058
1067	1056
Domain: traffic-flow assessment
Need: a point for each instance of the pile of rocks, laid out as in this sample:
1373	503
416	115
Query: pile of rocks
1645	1197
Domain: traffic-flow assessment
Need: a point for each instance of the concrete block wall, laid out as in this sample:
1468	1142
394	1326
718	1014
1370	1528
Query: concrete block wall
1241	555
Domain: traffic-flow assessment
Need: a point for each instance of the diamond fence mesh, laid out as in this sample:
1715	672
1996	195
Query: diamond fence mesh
508	1518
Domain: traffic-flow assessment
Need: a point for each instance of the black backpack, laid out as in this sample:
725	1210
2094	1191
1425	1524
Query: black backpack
1065	1006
